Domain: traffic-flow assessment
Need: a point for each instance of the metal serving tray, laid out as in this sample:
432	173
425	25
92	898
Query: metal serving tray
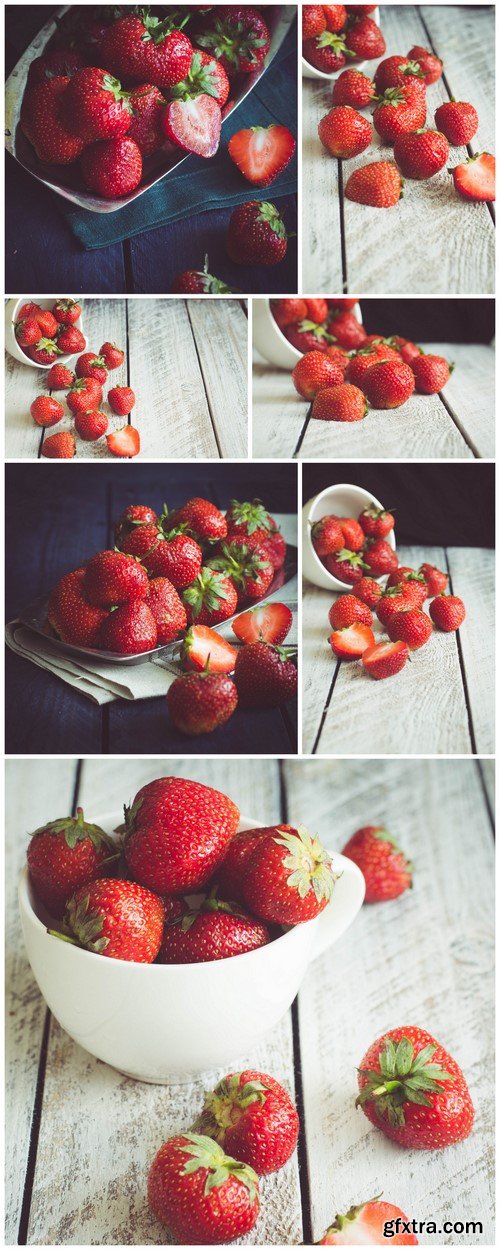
64	178
35	617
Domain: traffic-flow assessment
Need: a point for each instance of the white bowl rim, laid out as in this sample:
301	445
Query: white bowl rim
316	498
356	311
334	73
61	360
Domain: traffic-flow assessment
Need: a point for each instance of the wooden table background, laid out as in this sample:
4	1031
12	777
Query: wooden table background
459	423
81	1136
186	360
442	703
432	240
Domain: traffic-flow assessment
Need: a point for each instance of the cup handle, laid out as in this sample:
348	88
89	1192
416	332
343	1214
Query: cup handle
348	896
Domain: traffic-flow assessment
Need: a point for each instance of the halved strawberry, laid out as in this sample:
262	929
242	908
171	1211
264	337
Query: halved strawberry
351	642
270	623
124	442
475	178
261	152
194	124
204	650
385	659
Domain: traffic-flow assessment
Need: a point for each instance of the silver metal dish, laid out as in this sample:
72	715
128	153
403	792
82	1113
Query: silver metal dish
64	179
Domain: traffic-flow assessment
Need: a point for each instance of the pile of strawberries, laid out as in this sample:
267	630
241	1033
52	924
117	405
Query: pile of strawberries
398	92
357	552
344	371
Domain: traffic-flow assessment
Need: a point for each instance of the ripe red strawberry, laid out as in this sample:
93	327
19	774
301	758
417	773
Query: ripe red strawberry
70	340
421	154
475	178
344	132
397	598
59	378
430	65
403	574
215	930
340	403
27	332
458	121
129	629
206	76
201	1194
327	52
435	580
201	518
94	105
385	868
369	355
121	400
369	591
349	610
354	537
385	659
176	834
113	577
59	446
91	425
146	122
389	384
194	124
177	556
250	571
376	522
400	110
365	39
407	350
354	88
28	310
198	703
316	309
167	608
211	598
65	854
256	234
203	649
336	16
199	282
313	20
276	548
396	71
45	351
91	366
412	626
46	411
268	623
112	168
347	330
262	152
288	312
124	442
231	870
252	1117
350	641
265	675
288	877
85	394
309	336
431	373
118	919
69	612
47	323
379	557
365	1225
66	311
447	612
249	519
348	566
41	123
238	36
135	515
55	63
327	536
411	1088
112	355
146	49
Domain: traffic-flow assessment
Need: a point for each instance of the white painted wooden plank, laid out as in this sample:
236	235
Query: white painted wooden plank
220	328
421	427
278	413
425	959
470	391
472	574
487	769
470	74
22	385
321	246
33	788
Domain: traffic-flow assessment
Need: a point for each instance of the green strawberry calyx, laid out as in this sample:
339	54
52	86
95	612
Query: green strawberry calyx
86	926
234	41
207	591
130	814
319	331
354	558
335	42
49	345
114	86
393	96
376	513
158	29
240	563
269	214
351	1215
309	864
99	361
224	1106
75	829
403	1076
252	515
206	1153
412	70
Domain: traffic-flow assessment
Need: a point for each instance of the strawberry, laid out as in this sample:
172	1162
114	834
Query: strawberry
91	366
46	411
458	121
135	515
124	442
210	599
397	598
421	154
288	877
249	519
327	536
354	537
475	178
45	351
347	330
379	557
59	446
145	49
66	311
113	577
28	310
118	919
349	642
431	373
112	355
94	106
198	703
430	65
276	548
376	522
129	629
238	36
41	123
201	1194
370	354
412	626
354	88
385	659
177	556
270	623
201	518
357	9
91	425
288	312
230	872
313	20
309	336
349	610
348	566
396	71
411	1088
194	124
369	591
389	384
365	39
199	282
69	612
435	580
340	403
265	675
27	332
365	1225
146	121
59	378
65	854
112	168
176	833
400	109
344	132
206	76
85	394
205	649
250	571
55	63
407	350
256	234
47	324
214	930
386	871
336	16
447	612
121	400
403	574
262	152
167	608
70	340
327	52
316	309
252	1117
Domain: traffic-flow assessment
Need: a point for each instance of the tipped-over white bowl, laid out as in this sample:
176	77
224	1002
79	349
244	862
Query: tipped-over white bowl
310	71
340	500
12	346
270	341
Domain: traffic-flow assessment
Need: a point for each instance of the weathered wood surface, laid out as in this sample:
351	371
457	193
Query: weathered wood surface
186	360
426	708
411	247
458	424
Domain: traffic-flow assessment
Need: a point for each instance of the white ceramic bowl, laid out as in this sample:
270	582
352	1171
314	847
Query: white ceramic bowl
12	346
339	500
270	341
170	1022
310	71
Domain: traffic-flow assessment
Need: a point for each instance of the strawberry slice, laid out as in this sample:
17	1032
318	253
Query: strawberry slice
194	124
351	642
385	659
124	442
475	179
262	152
203	650
270	623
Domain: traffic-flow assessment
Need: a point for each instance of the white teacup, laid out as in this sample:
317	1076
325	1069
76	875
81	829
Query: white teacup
171	1022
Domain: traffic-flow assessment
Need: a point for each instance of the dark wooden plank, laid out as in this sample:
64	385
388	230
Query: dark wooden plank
43	716
144	728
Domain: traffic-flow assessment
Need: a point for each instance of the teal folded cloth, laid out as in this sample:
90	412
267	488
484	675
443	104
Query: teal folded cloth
202	185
